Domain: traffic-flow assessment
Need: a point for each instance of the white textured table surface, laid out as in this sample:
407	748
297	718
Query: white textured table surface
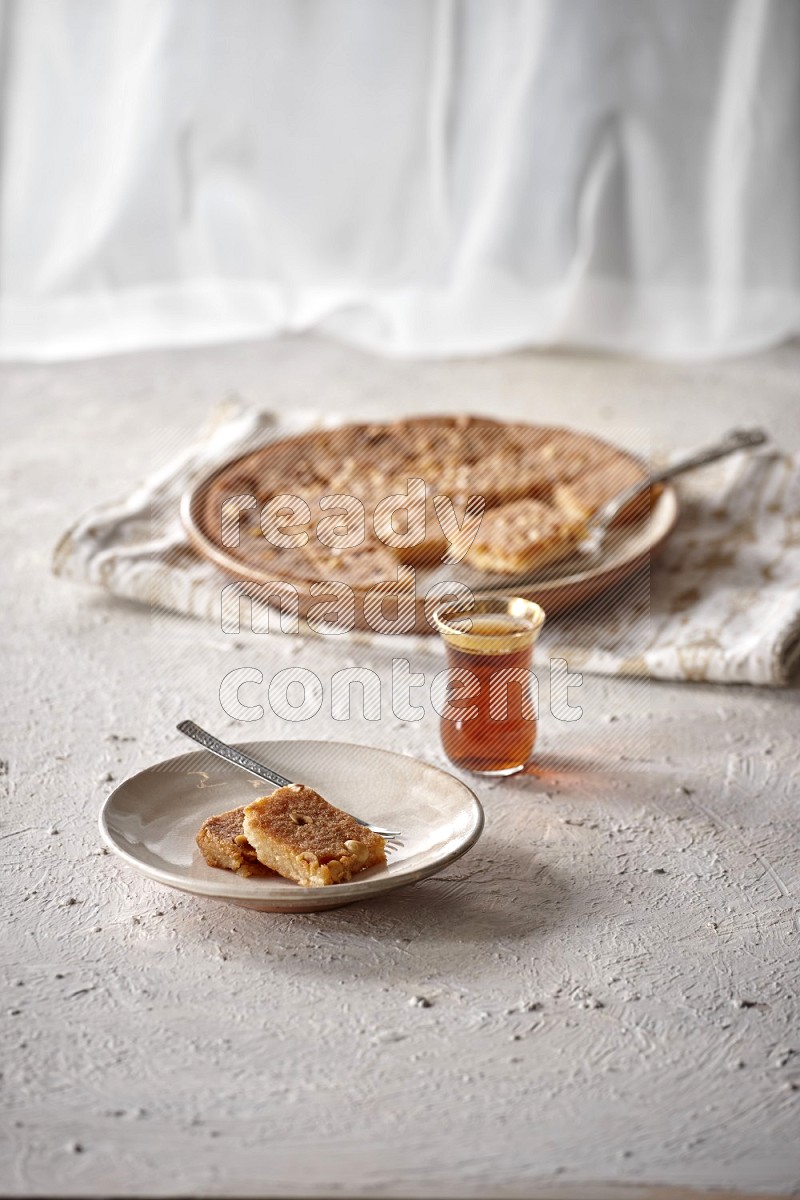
612	973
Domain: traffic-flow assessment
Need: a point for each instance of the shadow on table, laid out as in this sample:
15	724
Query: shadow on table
551	769
592	774
495	895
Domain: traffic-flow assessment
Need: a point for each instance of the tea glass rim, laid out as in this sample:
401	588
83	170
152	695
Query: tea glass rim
489	602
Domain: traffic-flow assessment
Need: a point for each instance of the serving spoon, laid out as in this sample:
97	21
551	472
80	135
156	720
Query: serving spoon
598	525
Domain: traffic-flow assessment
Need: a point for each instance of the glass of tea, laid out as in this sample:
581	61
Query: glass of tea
488	718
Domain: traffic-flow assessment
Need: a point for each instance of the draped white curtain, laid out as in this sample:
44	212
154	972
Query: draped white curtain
420	177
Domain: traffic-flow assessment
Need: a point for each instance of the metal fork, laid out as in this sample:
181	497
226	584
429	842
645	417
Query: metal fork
239	758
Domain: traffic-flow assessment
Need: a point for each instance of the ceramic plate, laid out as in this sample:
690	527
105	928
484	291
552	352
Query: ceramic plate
151	819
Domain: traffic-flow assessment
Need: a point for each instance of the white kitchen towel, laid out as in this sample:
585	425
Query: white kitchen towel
721	603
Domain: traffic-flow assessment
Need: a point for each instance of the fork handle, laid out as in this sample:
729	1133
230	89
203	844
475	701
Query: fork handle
231	754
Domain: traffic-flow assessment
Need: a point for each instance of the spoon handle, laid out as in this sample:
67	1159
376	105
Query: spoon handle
231	754
737	439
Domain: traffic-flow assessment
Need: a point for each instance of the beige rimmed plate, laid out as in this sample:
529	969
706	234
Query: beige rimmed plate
151	819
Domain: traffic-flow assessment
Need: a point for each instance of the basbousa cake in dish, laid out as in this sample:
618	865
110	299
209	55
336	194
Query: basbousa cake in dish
569	474
518	536
223	844
301	836
579	498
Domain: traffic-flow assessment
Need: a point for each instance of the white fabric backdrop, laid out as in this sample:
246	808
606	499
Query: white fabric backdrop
418	176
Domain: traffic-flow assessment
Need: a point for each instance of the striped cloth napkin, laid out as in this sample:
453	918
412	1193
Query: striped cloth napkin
721	603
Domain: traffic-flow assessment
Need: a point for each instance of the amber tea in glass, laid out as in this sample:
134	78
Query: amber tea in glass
488	721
